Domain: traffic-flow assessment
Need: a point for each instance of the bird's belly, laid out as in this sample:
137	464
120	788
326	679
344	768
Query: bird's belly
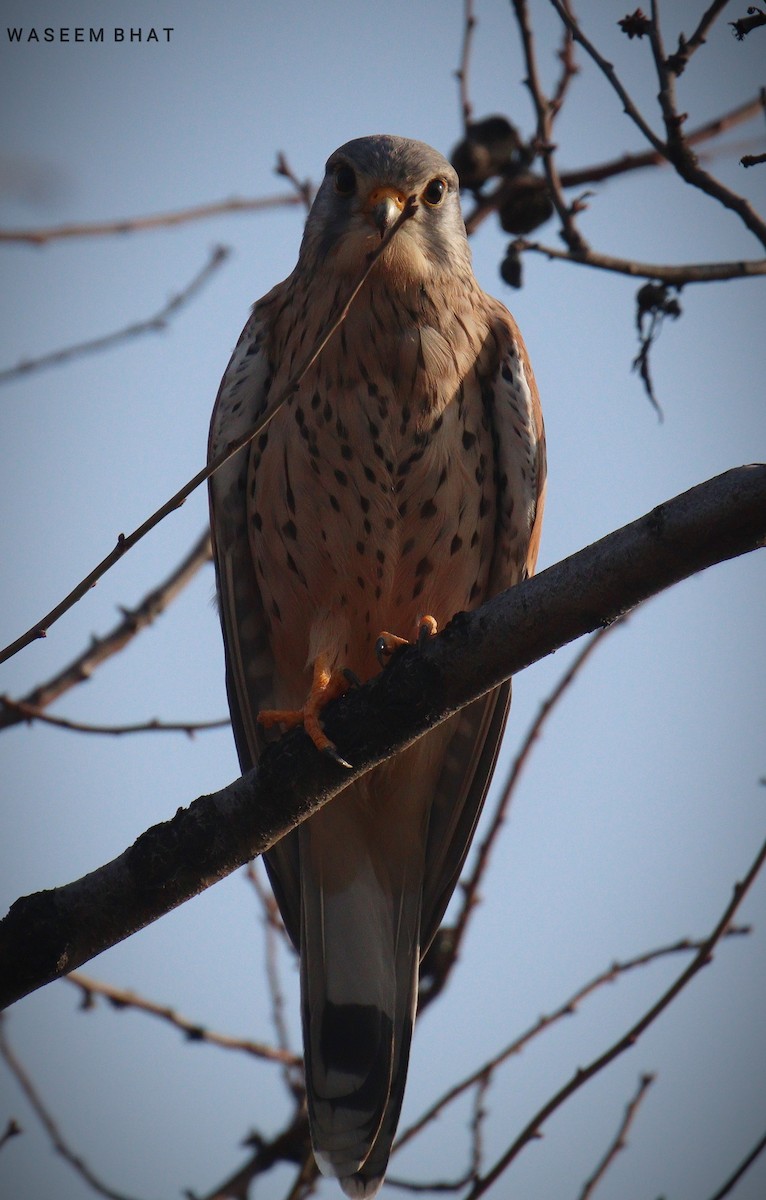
355	530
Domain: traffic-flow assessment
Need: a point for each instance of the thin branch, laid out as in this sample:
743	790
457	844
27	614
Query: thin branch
461	74
30	714
122	998
675	149
598	172
752	160
701	959
668	273
609	72
199	212
53	932
125	543
569	1007
60	1145
544	141
100	649
12	1130
155	324
652	158
274	933
747	1162
569	69
292	1146
620	1140
470	885
303	187
686	48
438	1187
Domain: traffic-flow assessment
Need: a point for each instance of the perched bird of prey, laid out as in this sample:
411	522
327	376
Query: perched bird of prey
401	482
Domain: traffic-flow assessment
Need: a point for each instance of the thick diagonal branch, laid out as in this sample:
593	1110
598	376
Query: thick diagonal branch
52	932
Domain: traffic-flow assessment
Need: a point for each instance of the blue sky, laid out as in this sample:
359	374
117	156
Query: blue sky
641	805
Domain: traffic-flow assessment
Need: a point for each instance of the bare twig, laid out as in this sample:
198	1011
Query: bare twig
30	714
461	74
569	69
609	72
12	1130
274	933
747	1162
675	149
303	187
652	158
155	324
620	1141
436	1187
291	1146
567	1009
121	998
677	275
200	212
752	160
100	649
584	1074
471	884
678	62
60	1145
125	543
544	141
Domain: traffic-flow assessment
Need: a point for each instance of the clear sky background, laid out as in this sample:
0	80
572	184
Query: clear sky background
641	806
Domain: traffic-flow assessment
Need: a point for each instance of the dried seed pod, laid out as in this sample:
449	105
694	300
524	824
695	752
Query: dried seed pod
527	204
489	148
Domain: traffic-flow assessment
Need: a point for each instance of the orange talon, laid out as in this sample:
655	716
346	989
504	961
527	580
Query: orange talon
427	627
387	643
325	686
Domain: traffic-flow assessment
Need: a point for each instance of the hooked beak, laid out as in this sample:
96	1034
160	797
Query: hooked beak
384	206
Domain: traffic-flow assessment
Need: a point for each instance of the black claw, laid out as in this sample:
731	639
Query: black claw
381	651
351	677
332	753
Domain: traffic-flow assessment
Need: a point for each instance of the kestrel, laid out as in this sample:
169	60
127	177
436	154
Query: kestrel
400	483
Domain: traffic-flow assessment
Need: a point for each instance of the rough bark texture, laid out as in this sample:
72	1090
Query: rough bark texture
52	932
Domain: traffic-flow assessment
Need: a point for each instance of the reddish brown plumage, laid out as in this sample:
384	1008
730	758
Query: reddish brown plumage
405	476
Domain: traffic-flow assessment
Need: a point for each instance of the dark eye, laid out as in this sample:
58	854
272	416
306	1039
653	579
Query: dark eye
345	180
435	192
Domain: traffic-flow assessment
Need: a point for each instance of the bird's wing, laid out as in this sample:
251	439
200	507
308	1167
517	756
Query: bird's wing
241	400
513	408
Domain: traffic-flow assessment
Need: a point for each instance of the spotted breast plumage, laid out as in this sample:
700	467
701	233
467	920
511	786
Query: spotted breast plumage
401	482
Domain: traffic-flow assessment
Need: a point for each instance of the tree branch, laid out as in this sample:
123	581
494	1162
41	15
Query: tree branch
154	324
50	933
663	272
100	649
567	1009
619	1141
583	1074
58	1141
200	212
676	148
726	1188
121	998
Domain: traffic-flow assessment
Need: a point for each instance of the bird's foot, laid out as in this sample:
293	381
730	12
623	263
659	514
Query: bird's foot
387	643
326	685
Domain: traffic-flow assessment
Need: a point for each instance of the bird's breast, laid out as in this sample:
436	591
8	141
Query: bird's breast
371	502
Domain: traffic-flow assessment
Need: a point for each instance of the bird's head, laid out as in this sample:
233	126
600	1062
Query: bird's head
366	186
